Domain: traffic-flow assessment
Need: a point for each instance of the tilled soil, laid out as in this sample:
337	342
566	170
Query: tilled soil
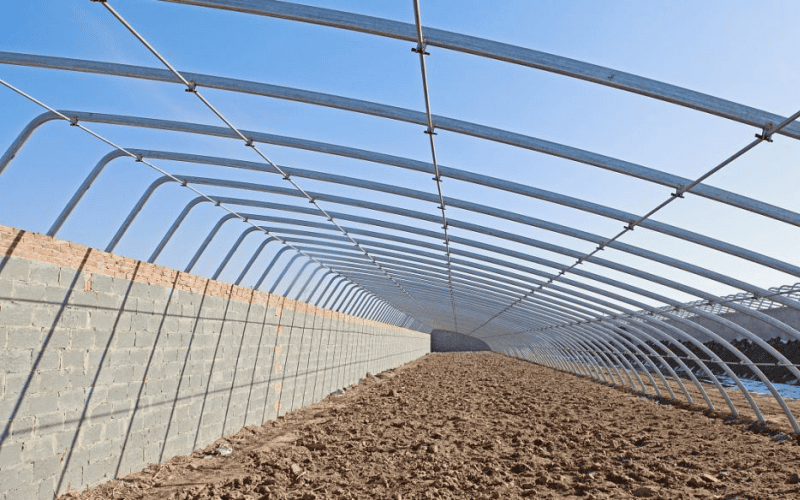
478	425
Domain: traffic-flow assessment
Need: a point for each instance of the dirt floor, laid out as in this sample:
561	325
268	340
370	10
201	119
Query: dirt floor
478	425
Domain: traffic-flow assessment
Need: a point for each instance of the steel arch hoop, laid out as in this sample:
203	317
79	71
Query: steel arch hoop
637	304
555	248
550	328
645	371
316	287
699	312
406	115
511	187
297	275
691	339
763	317
503	52
11	152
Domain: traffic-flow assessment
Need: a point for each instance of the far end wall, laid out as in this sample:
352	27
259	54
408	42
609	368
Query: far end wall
445	341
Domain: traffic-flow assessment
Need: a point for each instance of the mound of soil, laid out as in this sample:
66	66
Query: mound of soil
478	425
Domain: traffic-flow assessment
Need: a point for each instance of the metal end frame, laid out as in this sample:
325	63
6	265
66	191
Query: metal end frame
380	262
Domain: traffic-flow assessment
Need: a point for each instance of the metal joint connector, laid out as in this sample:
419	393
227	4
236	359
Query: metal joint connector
245	220
249	143
184	183
766	133
677	194
138	157
630	227
430	132
73	122
216	203
421	48
191	87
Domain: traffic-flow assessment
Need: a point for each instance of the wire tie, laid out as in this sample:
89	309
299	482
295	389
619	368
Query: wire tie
216	203
286	177
73	122
191	87
138	157
677	194
249	142
600	247
630	227
245	220
430	132
311	200
184	183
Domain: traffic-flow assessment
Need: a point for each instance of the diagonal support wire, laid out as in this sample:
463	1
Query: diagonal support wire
437	177
765	136
139	159
192	88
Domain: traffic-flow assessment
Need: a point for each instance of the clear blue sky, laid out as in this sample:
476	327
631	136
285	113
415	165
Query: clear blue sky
742	51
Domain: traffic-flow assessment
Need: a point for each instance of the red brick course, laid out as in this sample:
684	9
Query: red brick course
35	246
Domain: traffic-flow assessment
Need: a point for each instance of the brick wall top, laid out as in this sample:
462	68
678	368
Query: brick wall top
43	248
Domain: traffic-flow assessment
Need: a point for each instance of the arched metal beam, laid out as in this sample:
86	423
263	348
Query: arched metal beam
469	177
269	266
480	229
283	272
671	328
296	277
695	380
252	260
580	272
467	205
785	267
506	53
324	290
333	295
327	273
411	116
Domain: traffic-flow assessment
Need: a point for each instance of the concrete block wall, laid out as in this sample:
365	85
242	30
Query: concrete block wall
108	364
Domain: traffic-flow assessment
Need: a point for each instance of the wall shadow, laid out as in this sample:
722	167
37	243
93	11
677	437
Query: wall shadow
97	373
45	343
